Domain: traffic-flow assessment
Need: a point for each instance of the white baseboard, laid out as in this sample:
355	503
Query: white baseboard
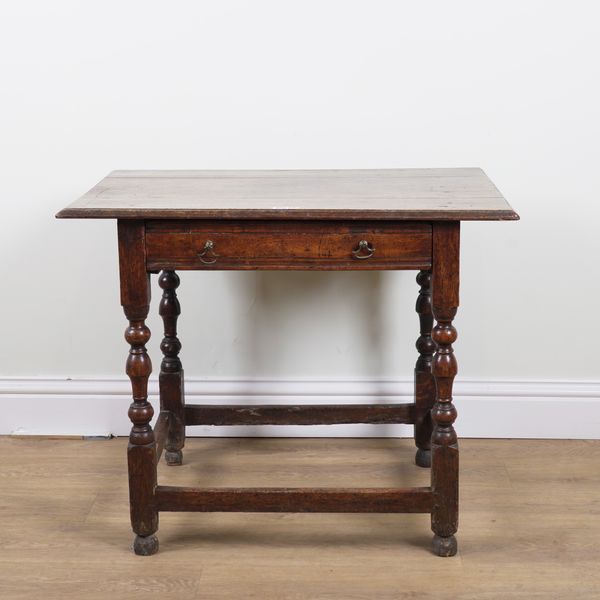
487	409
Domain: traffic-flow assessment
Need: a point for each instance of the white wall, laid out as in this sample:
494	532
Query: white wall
510	86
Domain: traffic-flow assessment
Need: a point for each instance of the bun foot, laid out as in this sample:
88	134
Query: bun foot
174	458
444	546
423	458
145	545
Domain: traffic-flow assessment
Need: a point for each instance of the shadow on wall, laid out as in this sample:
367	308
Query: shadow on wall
281	305
355	304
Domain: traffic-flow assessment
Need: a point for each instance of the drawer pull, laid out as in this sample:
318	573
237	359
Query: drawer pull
208	255
364	250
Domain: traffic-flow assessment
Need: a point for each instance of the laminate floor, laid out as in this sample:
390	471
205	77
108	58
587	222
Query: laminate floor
529	524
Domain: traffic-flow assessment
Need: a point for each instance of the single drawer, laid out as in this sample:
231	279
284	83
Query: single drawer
214	245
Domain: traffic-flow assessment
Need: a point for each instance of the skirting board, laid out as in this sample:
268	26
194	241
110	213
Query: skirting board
486	409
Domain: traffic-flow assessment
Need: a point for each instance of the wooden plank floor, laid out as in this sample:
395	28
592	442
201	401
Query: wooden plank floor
530	524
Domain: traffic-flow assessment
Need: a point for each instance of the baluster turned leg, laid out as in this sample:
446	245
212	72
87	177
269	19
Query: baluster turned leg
444	443
424	382
171	371
141	451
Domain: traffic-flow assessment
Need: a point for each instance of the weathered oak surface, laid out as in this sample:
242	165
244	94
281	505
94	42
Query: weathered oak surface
327	220
288	245
349	500
407	194
303	414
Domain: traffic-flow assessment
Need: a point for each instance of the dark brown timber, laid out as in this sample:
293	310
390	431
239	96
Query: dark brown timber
170	379
161	430
325	414
373	219
444	443
424	383
351	500
141	452
267	245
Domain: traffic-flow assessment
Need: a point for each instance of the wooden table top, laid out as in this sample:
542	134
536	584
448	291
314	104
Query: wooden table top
391	194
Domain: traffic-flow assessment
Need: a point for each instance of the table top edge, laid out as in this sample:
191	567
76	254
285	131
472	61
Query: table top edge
487	202
287	214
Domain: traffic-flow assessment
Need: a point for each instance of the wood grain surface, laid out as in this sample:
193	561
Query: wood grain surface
295	499
286	245
299	414
413	194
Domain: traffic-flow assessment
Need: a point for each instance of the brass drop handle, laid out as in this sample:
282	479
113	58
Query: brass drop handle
363	251
209	252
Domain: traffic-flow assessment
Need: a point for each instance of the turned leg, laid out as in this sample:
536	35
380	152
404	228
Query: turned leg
171	372
444	443
424	383
141	451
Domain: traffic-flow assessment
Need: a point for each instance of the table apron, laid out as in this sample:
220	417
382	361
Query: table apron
290	245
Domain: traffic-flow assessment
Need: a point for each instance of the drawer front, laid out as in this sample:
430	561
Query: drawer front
214	245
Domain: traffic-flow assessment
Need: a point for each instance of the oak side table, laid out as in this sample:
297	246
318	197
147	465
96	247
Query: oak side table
299	220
